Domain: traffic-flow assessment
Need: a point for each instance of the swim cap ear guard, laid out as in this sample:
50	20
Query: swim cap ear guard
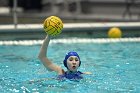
68	55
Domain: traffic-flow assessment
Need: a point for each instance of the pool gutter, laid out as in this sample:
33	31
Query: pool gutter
92	30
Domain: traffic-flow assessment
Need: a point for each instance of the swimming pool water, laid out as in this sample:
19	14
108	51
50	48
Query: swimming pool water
115	69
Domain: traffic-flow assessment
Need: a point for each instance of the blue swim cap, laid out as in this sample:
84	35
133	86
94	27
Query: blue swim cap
72	53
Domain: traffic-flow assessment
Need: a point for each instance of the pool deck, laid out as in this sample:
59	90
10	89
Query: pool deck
94	30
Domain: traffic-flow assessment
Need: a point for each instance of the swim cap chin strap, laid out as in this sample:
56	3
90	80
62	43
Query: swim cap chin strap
68	55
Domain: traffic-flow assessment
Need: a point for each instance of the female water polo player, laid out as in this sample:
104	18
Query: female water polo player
71	62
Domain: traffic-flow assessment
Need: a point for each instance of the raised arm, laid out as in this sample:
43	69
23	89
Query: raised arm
44	59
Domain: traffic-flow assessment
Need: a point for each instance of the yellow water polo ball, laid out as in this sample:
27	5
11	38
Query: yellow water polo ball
114	32
53	25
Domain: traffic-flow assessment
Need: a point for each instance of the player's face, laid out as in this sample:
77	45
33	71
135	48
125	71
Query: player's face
73	63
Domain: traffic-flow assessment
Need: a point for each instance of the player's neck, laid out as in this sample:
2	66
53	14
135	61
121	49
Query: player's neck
71	71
